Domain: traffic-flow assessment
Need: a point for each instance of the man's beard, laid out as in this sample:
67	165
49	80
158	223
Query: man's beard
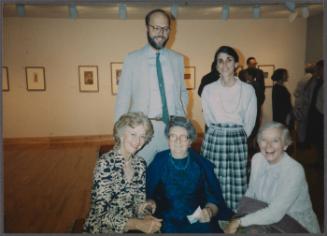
154	44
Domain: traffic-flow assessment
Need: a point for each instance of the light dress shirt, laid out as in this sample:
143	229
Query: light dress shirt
284	188
155	103
138	86
233	105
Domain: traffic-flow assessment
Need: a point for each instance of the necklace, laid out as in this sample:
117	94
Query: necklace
177	167
238	102
128	169
127	161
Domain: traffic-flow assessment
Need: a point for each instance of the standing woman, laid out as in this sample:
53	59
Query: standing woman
229	110
281	98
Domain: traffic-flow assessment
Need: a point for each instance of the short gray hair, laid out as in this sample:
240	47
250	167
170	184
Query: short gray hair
132	119
286	136
183	122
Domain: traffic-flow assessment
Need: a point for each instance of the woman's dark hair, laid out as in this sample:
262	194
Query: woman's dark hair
148	16
214	67
228	50
183	122
279	74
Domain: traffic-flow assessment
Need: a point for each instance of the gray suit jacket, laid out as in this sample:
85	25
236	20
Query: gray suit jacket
134	85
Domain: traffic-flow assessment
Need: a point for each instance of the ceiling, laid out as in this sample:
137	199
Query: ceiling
187	10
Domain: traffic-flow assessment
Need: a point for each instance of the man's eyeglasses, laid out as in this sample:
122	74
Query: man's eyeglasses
158	29
175	137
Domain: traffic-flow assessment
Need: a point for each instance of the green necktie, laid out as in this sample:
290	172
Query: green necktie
165	114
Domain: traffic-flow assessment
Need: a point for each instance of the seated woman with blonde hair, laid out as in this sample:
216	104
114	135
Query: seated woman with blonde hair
278	181
118	195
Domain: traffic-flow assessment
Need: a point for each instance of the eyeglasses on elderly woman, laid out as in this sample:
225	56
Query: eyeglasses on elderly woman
183	122
175	137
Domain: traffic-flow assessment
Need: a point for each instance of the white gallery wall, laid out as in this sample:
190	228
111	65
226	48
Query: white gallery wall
61	45
314	38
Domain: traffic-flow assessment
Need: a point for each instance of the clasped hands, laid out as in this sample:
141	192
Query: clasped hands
205	216
150	224
232	226
148	208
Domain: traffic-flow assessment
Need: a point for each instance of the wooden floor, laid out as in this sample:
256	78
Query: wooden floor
48	188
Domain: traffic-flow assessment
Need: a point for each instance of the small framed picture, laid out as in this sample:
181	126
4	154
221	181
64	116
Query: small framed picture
189	77
268	70
35	78
88	78
116	69
5	79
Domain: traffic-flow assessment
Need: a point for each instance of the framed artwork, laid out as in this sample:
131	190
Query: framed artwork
88	79
35	78
116	69
189	77
5	79
268	70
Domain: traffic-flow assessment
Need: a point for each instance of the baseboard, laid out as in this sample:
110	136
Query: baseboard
68	140
60	140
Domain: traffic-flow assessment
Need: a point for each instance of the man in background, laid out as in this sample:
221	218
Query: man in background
314	96
251	62
301	106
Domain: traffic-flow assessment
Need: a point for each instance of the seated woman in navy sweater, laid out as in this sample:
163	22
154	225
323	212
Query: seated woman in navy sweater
185	191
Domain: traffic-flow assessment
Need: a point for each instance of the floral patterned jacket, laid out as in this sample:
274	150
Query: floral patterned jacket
114	199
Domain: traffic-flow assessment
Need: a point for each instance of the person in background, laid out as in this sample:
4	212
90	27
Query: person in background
278	180
250	78
259	81
152	82
314	94
118	194
229	109
301	105
281	98
180	181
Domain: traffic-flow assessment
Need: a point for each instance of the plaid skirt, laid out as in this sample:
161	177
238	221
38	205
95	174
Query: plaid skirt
225	145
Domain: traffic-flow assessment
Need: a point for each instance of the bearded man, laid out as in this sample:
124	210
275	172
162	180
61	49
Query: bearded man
152	82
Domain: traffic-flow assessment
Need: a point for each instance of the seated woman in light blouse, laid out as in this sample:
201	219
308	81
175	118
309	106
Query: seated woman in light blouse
278	180
118	195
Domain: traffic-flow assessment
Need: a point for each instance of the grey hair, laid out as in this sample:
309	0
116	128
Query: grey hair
133	119
183	122
286	136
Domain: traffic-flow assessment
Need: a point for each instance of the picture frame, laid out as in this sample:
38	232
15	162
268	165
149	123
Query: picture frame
88	78
35	78
189	77
116	70
268	70
5	79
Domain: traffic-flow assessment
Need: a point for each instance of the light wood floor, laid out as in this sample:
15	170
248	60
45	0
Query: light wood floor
48	188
